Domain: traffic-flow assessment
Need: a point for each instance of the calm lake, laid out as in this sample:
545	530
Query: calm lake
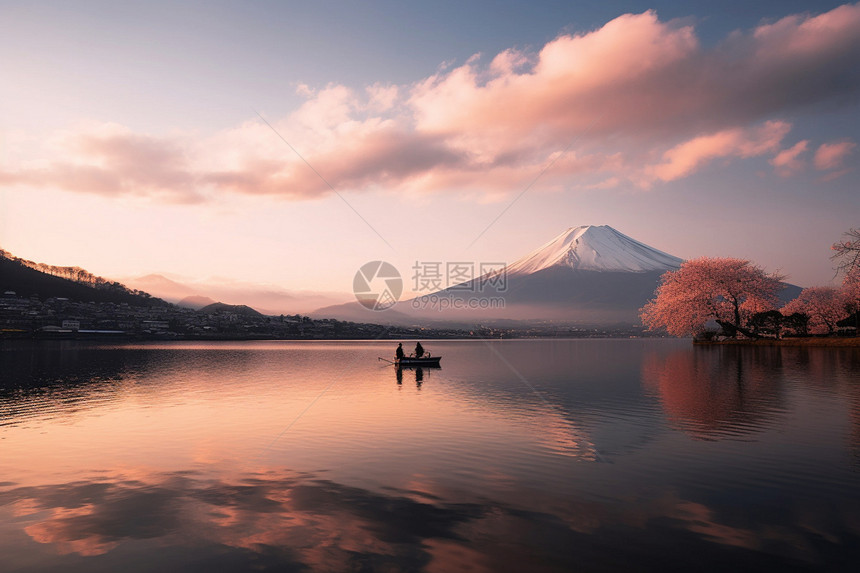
544	455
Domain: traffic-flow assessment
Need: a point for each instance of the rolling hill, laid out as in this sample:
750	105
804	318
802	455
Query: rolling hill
27	278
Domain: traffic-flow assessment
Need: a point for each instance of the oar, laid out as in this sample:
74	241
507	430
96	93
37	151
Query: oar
387	360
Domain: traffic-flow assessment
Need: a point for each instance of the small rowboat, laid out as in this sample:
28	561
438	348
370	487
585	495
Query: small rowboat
423	361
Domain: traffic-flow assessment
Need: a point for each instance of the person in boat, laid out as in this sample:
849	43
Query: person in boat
398	354
419	350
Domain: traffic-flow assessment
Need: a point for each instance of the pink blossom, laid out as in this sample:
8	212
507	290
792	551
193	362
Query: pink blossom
825	306
851	290
727	290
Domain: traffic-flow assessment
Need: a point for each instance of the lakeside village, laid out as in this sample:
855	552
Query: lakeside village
61	318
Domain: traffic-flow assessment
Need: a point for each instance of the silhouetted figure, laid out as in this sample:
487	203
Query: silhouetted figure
399	353
419	350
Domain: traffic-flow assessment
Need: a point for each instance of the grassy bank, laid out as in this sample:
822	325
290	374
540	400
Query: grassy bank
808	341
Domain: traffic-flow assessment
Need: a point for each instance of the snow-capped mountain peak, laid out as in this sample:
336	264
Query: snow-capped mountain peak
595	248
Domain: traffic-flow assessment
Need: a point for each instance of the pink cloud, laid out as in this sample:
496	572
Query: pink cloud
639	78
788	162
831	155
685	158
576	83
637	99
112	161
376	158
800	35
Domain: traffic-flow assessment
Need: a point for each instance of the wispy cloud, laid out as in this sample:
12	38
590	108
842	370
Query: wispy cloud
110	160
788	161
832	155
687	157
665	108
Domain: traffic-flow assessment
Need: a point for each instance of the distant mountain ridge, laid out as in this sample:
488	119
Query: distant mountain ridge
265	298
195	302
239	309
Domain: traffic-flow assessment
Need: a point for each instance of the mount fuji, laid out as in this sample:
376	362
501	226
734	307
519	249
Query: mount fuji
595	248
586	275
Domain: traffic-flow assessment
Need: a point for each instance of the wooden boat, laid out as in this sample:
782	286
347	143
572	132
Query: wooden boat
429	361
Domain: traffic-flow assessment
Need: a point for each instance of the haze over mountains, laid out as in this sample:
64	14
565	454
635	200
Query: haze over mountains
586	275
267	299
591	274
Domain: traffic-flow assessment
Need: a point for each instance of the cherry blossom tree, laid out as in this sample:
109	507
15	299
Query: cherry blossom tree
851	296
851	290
847	252
729	291
825	306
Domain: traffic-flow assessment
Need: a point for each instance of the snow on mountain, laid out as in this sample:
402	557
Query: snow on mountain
595	248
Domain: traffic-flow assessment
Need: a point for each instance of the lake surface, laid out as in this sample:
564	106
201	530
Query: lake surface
546	455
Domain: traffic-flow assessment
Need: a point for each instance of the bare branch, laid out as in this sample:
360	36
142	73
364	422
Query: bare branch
847	251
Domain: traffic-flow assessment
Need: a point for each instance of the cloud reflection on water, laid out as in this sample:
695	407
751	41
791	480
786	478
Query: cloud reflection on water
296	521
474	472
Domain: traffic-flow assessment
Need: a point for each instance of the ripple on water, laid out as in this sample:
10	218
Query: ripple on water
652	451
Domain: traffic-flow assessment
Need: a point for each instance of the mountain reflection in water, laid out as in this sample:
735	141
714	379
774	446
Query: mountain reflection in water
517	456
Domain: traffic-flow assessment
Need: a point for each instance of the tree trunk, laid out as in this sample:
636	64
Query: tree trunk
733	329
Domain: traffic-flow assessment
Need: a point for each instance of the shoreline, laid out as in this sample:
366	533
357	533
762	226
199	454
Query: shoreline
846	342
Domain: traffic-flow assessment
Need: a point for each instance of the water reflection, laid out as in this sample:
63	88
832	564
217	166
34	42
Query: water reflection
28	365
290	521
59	378
521	456
418	372
718	391
279	519
837	373
578	398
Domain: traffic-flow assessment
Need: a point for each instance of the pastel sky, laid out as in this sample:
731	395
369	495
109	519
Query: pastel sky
135	137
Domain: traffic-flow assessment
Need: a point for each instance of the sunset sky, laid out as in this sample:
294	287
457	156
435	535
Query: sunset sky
131	137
